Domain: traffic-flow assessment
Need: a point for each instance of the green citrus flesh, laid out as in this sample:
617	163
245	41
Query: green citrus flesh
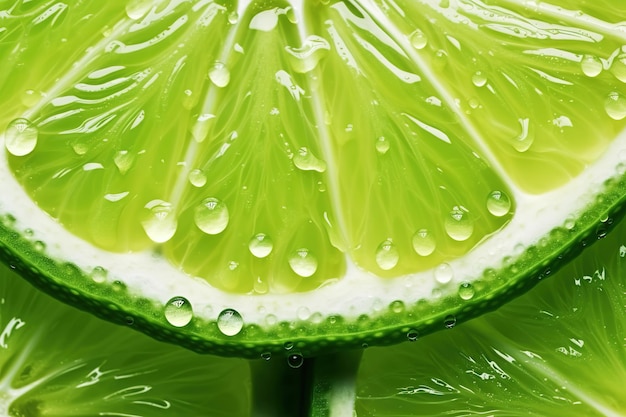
58	361
557	351
237	177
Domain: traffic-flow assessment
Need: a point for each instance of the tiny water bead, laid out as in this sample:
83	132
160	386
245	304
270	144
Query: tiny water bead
615	106
424	242
303	159
159	221
443	273
136	9
458	224
98	274
479	79
418	39
466	291
387	255
498	203
211	216
591	65
229	322
449	322
288	345
197	178
525	139
266	356
412	335
295	360
303	262
219	75
261	245
382	145
123	160
178	312
20	137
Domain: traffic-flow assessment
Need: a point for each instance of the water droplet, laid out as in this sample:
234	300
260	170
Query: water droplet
397	306
444	273
178	312
197	178
498	203
20	137
261	245
295	360
479	79
39	246
30	98
449	322
219	75
615	106
233	17
303	262
159	221
424	242
418	39
618	67
591	65
387	255
458	224
522	142
136	9
303	313
288	345
466	291
266	356
306	161
229	322
98	274
211	216
382	145
412	335
123	161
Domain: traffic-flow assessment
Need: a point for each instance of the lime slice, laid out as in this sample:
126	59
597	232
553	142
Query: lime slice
56	361
247	179
556	351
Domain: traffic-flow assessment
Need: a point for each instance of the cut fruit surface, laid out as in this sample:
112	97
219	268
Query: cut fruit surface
241	177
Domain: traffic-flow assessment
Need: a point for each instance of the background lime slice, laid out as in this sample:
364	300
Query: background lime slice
324	175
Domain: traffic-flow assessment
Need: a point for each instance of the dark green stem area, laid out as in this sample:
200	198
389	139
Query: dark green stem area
322	386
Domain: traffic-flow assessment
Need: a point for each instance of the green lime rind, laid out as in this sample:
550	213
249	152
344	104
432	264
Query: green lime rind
56	361
395	324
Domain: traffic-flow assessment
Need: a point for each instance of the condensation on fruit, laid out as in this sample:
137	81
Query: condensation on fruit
418	39
295	360
304	160
261	245
98	274
615	105
618	67
211	216
424	242
303	262
591	65
498	203
197	178
525	139
458	224
178	311
219	74
21	136
229	322
466	291
450	321
382	145
443	273
159	221
387	255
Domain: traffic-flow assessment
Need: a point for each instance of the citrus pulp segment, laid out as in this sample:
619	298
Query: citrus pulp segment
320	174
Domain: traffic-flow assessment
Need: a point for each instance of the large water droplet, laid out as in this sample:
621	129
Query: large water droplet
197	178
211	216
260	245
424	242
387	255
21	137
136	9
303	159
591	65
418	39
303	262
466	291
295	360
458	224
618	67
615	106
498	203
382	145
178	312
98	274
479	79
159	221
229	322
444	273
219	74
522	142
